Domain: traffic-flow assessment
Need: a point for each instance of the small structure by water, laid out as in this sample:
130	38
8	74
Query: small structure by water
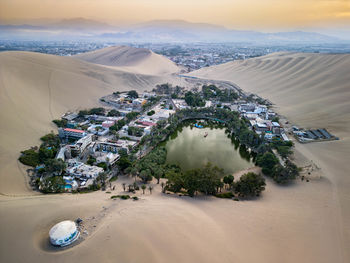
198	126
64	233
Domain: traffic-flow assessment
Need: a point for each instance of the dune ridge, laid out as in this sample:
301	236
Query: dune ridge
304	222
312	91
137	60
300	84
37	88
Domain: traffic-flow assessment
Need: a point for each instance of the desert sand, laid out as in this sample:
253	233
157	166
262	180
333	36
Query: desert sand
312	91
303	222
136	60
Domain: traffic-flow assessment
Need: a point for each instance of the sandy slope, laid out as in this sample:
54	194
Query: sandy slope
305	222
137	60
37	88
312	90
286	225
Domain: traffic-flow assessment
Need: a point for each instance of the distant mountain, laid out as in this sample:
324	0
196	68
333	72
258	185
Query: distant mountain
178	30
82	24
156	31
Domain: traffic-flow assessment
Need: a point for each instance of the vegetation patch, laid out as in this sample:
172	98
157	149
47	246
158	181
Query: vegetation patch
229	195
123	197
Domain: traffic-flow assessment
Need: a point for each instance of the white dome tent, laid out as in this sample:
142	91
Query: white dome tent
64	233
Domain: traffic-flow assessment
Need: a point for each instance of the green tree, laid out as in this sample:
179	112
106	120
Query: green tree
228	179
150	113
124	162
284	151
30	157
52	184
250	184
131	115
113	113
133	94
91	160
267	161
97	111
285	174
145	175
143	187
55	166
159	174
194	99
103	165
175	181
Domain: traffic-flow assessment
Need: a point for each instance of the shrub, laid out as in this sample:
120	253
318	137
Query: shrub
123	197
103	165
113	113
97	111
133	94
150	113
60	123
225	195
30	157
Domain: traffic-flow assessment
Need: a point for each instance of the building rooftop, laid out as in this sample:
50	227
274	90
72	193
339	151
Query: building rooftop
64	233
73	130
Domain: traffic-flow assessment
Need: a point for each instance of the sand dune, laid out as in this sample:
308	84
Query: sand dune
313	91
305	222
37	88
137	60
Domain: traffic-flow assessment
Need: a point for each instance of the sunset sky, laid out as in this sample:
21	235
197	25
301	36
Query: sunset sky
240	14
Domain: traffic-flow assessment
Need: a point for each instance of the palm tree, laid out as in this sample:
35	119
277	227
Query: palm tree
143	188
134	172
150	188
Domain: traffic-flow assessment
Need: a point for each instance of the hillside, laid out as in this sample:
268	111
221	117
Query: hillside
301	222
37	88
313	91
137	60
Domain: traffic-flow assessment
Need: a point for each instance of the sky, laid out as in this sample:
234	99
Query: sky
238	14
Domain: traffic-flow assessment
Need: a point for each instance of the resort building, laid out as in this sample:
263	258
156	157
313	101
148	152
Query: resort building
71	133
81	144
79	169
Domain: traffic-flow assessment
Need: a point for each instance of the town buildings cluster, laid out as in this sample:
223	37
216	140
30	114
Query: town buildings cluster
92	142
263	121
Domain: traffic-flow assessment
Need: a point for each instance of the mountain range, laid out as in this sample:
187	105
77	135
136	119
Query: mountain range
152	31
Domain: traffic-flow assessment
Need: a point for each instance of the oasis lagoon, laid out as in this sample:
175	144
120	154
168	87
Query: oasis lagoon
192	148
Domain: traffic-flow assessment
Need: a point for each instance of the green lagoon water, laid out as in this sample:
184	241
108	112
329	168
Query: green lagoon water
189	148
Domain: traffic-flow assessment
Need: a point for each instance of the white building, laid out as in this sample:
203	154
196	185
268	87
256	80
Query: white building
79	169
64	233
82	143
